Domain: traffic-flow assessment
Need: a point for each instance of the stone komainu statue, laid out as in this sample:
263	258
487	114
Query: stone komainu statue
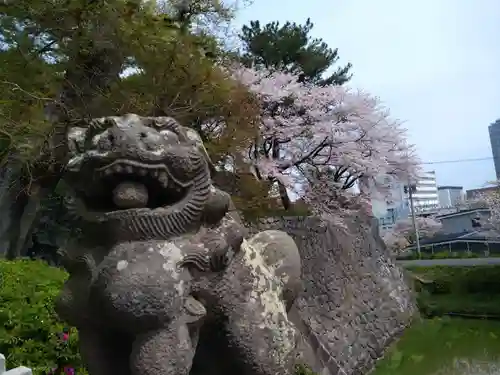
163	280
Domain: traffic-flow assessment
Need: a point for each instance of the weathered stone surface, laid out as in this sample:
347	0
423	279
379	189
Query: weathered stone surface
355	300
164	279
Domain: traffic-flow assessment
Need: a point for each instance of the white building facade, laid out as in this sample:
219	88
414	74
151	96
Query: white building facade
425	197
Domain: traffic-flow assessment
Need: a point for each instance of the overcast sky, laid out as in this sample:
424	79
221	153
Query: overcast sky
434	63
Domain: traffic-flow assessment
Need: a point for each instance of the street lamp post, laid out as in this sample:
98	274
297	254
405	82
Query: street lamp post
411	188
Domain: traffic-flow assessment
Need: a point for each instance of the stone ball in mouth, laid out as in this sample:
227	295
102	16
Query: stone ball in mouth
130	195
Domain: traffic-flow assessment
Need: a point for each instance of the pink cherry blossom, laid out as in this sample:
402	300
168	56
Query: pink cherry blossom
402	234
315	139
491	200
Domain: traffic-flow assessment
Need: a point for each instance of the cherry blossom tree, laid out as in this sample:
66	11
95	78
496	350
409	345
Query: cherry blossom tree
490	199
403	234
315	140
395	242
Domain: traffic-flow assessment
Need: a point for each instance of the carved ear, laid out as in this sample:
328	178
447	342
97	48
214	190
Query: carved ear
195	137
191	135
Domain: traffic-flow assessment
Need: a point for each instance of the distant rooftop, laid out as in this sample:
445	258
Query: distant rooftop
450	187
487	188
473	193
462	212
470	236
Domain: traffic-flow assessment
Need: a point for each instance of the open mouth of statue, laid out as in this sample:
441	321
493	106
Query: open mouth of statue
125	184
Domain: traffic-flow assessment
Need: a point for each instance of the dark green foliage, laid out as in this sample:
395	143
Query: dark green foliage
440	255
291	48
459	290
30	332
481	279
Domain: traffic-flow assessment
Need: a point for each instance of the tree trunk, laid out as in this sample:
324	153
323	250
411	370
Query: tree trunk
285	198
9	188
92	68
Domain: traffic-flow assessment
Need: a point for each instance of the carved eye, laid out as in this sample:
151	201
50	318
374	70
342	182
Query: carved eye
170	136
109	122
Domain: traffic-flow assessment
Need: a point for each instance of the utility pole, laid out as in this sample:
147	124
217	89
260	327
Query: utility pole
411	188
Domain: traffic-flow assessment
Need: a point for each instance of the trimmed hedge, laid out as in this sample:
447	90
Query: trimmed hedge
441	255
471	291
463	280
31	335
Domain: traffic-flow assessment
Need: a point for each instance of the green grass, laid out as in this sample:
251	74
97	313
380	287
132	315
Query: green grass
433	344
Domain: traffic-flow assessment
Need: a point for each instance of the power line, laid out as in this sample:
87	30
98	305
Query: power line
456	161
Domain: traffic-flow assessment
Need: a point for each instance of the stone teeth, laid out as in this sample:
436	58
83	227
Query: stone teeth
142	172
154	173
129	169
107	171
118	168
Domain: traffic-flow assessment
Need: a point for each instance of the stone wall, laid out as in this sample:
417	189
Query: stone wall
355	300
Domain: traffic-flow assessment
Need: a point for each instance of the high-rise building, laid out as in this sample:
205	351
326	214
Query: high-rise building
450	196
425	196
494	130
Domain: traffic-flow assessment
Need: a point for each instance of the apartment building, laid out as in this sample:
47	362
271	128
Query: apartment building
425	196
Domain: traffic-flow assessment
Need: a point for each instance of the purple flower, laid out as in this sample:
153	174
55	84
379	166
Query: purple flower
69	370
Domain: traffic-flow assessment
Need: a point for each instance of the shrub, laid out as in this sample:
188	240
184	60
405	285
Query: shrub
481	279
462	290
30	332
441	255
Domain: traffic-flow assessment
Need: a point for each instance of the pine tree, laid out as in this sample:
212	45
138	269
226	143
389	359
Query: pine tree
290	48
